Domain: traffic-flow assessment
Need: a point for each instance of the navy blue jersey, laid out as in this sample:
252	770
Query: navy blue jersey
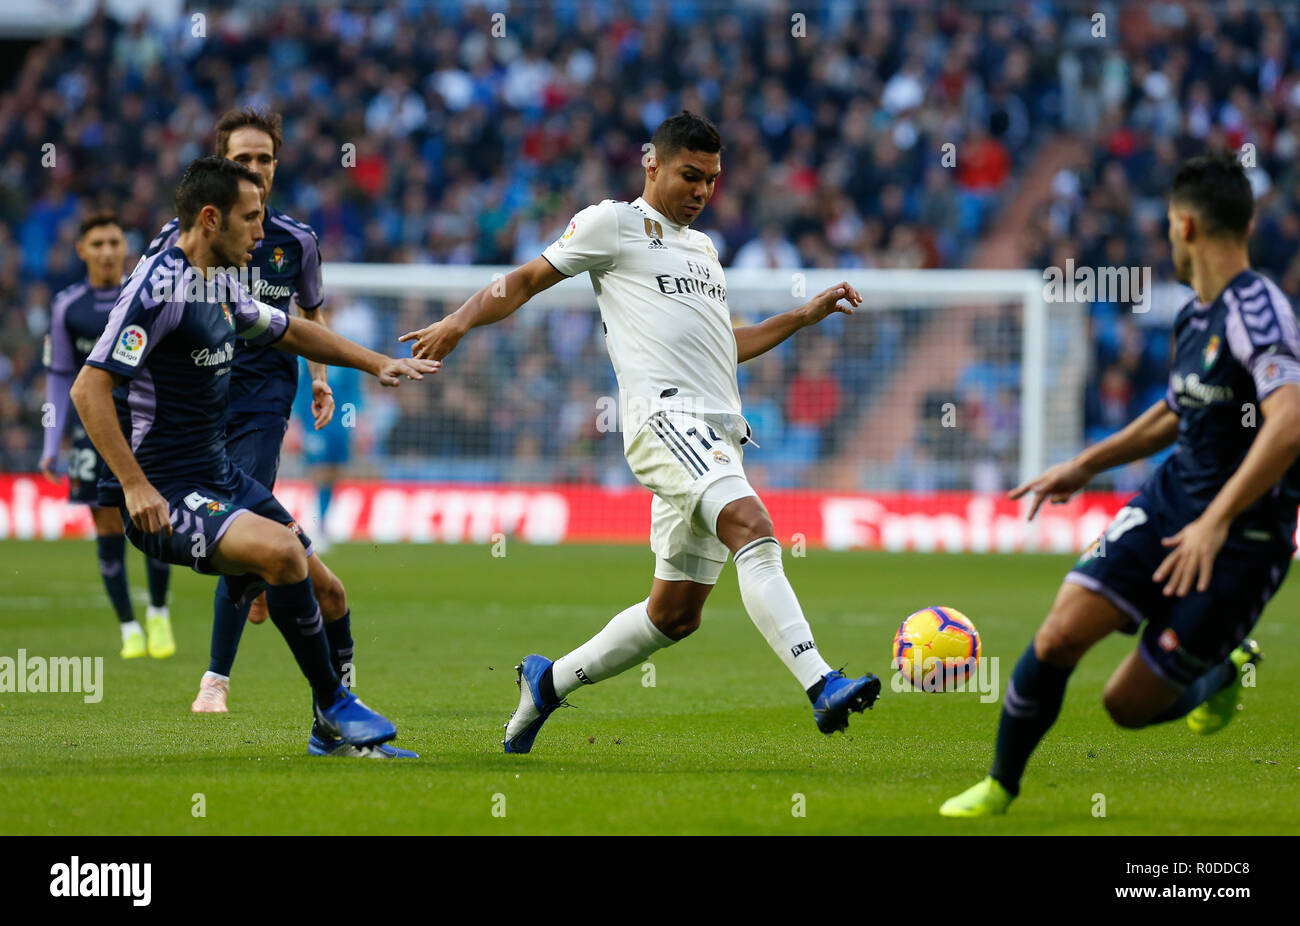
77	318
285	263
177	349
1228	357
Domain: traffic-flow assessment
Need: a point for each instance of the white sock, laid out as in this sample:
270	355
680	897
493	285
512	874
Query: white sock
129	628
151	611
210	674
624	642
775	610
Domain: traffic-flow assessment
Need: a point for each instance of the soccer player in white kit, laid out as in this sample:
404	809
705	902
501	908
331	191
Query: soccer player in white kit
663	300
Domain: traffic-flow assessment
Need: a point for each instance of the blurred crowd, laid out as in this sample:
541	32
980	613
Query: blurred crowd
1190	77
418	132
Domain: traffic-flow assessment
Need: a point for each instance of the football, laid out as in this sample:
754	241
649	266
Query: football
936	649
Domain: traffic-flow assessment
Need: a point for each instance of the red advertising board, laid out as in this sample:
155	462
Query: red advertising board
384	512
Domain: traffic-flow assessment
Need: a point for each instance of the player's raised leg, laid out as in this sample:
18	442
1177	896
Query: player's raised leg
1137	695
1079	619
746	528
1215	698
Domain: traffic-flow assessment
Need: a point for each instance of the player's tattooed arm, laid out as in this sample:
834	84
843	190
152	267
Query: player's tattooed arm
490	304
1153	430
92	393
322	396
1273	451
755	340
316	342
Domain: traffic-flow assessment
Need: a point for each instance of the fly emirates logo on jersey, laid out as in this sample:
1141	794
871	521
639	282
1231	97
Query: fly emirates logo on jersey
697	281
214	358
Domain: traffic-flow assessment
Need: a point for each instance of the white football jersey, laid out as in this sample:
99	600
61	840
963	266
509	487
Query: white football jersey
663	300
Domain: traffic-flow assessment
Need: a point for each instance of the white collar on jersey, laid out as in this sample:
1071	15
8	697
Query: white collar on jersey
654	213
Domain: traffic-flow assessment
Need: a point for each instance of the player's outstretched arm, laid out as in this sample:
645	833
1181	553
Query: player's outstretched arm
316	342
322	396
1273	451
490	304
754	340
92	393
1153	430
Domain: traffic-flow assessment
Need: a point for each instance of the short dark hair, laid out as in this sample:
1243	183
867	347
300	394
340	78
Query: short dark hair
686	131
96	219
210	181
261	119
1216	188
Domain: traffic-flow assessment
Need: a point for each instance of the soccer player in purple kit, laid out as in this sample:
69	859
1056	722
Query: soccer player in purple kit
169	345
1206	542
285	266
77	318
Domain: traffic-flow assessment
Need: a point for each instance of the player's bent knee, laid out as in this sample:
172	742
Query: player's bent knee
1056	645
1124	712
679	624
286	563
744	521
676	620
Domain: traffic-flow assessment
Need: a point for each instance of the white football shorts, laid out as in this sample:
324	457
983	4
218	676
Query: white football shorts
693	467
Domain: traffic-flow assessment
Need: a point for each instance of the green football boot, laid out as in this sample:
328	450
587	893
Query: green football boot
986	799
1217	711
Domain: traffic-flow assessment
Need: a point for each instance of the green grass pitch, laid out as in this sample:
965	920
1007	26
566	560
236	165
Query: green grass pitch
723	742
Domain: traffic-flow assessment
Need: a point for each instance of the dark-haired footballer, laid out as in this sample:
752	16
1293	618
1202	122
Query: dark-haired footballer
77	318
663	299
170	343
1208	539
263	382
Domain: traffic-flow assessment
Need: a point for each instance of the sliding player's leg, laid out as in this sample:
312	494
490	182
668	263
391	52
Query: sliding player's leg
1079	619
1201	651
1108	590
110	545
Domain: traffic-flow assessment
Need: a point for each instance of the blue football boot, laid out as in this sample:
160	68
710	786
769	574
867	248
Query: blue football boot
322	743
522	727
350	720
841	695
